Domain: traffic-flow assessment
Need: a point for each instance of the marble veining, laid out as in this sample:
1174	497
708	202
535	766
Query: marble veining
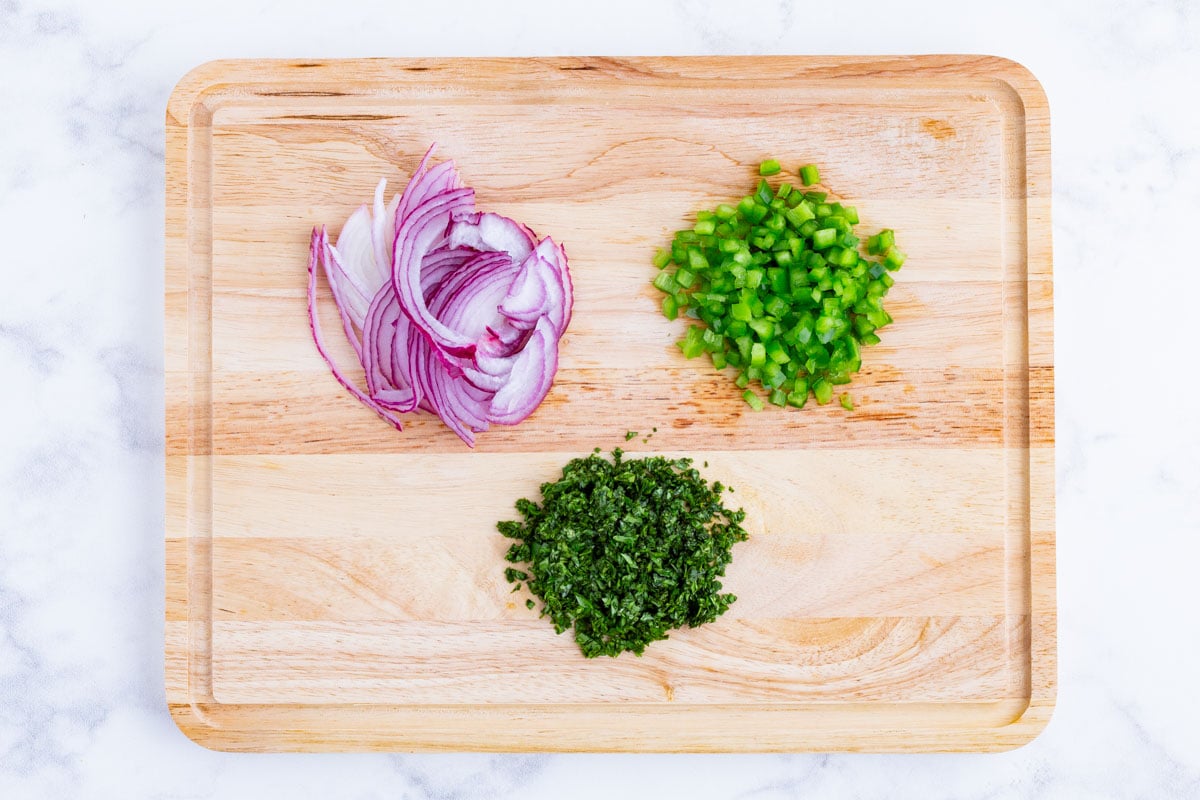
83	87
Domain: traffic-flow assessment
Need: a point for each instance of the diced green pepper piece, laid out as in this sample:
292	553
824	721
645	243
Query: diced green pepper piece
769	167
763	194
764	329
777	352
799	215
693	343
670	308
776	306
809	174
744	344
826	237
665	282
887	239
823	391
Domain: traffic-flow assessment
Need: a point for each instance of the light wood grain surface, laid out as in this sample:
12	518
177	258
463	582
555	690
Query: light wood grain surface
335	585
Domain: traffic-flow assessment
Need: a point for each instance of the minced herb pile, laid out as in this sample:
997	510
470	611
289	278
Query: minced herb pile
624	551
784	294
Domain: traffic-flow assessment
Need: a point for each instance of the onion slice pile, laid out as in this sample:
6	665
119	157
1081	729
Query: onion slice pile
449	310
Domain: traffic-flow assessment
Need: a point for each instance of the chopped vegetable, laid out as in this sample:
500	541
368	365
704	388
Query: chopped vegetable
625	551
769	167
780	291
449	310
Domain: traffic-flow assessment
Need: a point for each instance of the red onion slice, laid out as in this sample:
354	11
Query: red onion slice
529	378
425	230
490	232
538	290
319	339
383	232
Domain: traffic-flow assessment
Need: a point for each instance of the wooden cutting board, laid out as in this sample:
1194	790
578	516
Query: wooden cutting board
335	585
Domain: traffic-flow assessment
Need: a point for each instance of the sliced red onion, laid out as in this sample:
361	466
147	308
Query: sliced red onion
492	232
423	231
347	297
538	290
383	232
529	378
319	339
449	310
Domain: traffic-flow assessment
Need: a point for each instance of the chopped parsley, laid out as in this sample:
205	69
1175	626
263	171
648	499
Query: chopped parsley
624	551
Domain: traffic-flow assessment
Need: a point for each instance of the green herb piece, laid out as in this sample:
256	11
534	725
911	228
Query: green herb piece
630	435
846	401
622	552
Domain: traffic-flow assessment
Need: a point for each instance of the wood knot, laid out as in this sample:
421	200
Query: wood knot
938	128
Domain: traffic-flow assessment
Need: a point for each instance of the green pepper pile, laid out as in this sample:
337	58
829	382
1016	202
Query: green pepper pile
784	295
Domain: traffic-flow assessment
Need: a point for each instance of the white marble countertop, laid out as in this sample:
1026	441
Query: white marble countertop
83	87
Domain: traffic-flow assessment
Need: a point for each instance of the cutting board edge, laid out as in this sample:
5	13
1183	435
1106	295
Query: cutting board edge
519	730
